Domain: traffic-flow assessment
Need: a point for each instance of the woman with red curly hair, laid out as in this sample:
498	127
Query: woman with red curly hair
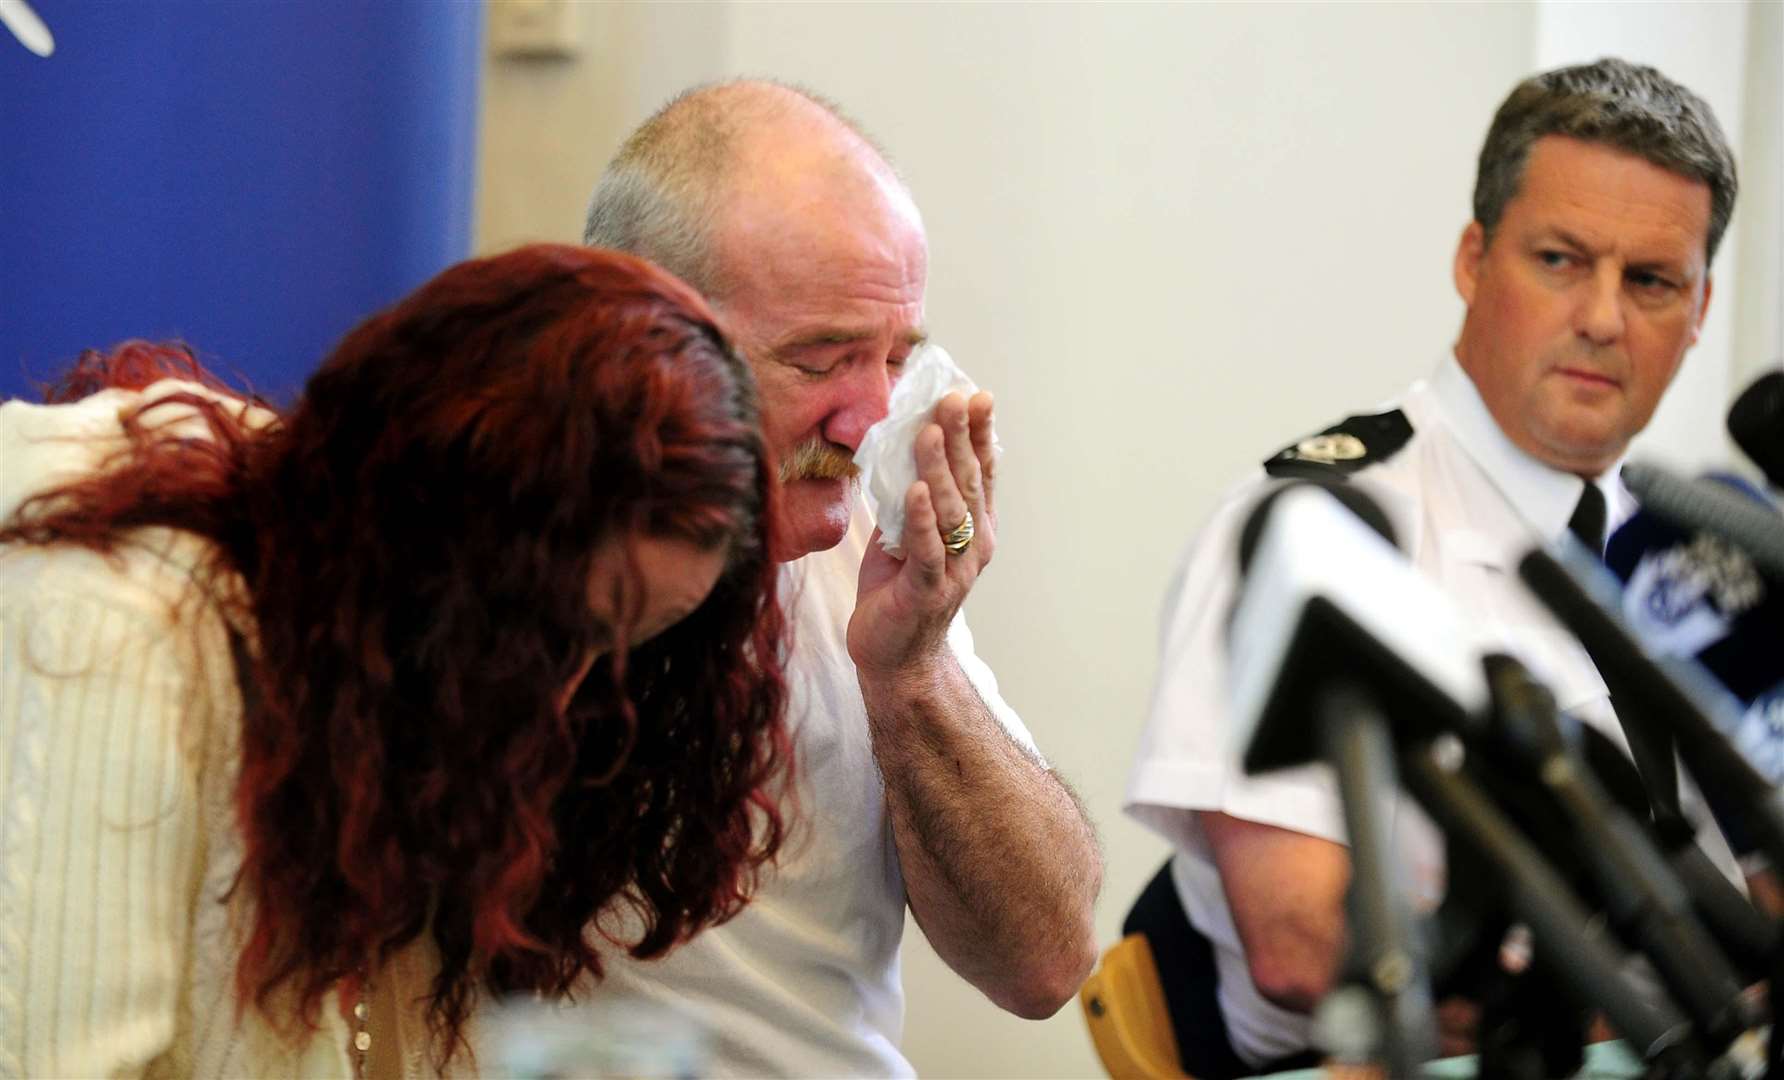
477	642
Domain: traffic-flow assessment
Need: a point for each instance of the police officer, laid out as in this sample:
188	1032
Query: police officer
1602	193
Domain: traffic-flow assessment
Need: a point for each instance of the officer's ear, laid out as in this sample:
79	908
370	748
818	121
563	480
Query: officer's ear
1703	310
1470	250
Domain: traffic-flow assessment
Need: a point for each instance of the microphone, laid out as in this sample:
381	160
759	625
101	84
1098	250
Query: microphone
1339	650
1590	966
1366	510
1713	509
1326	600
1691	594
1308	641
1756	423
1677	697
1627	872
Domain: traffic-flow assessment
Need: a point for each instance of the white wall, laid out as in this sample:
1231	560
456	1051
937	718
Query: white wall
1759	311
1171	238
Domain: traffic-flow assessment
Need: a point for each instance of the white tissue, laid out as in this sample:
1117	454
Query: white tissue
887	456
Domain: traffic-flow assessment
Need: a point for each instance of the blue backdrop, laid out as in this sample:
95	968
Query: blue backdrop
250	176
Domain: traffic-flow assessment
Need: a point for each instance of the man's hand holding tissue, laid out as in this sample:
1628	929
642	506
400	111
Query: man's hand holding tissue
904	606
1000	865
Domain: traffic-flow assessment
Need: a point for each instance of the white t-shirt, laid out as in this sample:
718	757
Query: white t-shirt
805	982
1467	505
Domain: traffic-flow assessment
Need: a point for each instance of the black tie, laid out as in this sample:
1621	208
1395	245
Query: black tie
1587	522
1652	749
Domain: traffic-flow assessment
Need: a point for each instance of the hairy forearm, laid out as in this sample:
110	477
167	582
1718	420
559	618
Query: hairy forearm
1000	864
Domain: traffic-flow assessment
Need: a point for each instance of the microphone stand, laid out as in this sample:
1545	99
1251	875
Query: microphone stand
1634	678
1579	955
1384	957
1624	868
1748	938
1584	601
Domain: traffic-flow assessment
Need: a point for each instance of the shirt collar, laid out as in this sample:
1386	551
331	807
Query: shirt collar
1544	497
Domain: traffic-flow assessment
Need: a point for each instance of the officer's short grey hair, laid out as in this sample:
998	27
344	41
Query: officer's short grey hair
1626	106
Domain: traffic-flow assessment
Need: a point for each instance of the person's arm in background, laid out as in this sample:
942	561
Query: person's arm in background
1286	892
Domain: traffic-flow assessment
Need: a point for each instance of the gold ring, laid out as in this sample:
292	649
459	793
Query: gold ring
957	539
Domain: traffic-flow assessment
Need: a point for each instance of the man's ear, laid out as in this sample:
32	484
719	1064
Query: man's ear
1469	252
1703	310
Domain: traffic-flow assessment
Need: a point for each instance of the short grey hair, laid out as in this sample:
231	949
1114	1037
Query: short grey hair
1628	107
661	194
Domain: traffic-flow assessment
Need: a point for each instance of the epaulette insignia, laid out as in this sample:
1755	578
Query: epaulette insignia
1338	451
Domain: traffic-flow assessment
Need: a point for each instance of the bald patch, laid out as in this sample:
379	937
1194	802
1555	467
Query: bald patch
751	135
665	192
731	113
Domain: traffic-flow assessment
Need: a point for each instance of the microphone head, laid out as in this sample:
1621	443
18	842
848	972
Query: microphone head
1353	499
1758	736
1756	423
1743	516
1329	601
1690	594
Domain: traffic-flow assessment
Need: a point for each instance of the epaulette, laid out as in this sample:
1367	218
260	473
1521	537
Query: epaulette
1338	451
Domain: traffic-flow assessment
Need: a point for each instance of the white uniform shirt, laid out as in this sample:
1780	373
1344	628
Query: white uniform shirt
1467	505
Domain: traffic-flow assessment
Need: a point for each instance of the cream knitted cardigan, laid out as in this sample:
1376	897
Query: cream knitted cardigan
119	730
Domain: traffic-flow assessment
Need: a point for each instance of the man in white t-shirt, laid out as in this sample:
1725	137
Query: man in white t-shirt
917	783
1602	193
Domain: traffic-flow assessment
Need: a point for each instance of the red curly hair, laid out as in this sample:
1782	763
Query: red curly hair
416	539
